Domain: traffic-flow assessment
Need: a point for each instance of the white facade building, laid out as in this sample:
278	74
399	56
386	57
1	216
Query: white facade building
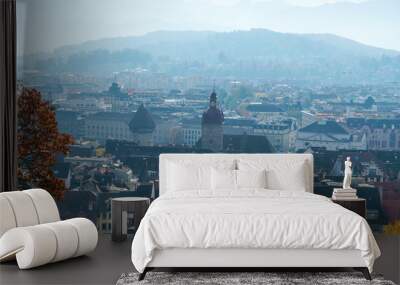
191	131
329	135
381	134
83	105
108	125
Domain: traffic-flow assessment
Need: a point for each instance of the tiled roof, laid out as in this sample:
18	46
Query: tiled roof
325	127
239	122
277	127
264	108
111	116
81	150
372	123
355	122
380	123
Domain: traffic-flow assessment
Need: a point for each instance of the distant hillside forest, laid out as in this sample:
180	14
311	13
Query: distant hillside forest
254	54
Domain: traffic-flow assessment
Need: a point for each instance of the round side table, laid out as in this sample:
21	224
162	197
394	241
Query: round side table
126	214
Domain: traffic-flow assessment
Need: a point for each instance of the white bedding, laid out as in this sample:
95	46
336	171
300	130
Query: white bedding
251	218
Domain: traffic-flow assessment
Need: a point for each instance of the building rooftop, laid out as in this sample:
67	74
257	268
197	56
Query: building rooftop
264	108
142	121
276	127
382	123
324	127
81	150
372	123
111	116
355	123
243	122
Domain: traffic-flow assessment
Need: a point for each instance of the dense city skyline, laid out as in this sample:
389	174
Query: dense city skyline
221	80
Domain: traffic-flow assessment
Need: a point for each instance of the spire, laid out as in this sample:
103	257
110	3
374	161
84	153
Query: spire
213	97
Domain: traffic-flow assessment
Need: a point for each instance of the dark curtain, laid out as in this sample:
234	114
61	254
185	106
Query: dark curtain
8	107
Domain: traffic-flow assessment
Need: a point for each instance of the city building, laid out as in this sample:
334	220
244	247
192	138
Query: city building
281	135
108	125
142	127
239	126
264	111
82	104
167	131
70	122
381	134
118	100
329	135
191	131
211	126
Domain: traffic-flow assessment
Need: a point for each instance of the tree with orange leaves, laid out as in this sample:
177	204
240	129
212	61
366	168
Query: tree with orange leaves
39	141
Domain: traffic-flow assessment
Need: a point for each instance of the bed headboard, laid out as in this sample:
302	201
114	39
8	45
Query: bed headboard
213	157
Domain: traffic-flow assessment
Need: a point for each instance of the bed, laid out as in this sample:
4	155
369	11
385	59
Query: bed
245	211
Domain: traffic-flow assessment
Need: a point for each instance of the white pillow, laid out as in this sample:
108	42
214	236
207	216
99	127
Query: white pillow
193	175
223	179
291	177
251	178
188	177
281	174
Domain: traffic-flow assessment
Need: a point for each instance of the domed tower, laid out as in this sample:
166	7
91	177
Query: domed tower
142	127
211	126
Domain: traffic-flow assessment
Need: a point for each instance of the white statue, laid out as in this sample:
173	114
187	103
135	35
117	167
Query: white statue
347	174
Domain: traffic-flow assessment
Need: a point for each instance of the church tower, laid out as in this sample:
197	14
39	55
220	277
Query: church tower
211	126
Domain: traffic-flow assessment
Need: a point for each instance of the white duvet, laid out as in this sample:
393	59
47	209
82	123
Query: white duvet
250	219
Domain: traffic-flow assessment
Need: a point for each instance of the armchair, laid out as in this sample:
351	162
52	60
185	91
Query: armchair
31	231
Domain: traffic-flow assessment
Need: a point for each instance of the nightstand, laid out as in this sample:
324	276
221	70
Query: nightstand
358	205
126	214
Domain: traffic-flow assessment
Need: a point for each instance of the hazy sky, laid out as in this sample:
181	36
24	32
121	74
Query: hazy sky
46	24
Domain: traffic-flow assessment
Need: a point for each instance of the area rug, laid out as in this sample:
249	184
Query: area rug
243	278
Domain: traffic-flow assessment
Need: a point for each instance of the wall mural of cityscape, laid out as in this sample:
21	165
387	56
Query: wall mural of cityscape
110	105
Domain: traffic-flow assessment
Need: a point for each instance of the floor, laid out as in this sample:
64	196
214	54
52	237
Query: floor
104	266
110	260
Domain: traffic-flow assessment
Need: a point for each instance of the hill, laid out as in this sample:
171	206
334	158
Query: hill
257	53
